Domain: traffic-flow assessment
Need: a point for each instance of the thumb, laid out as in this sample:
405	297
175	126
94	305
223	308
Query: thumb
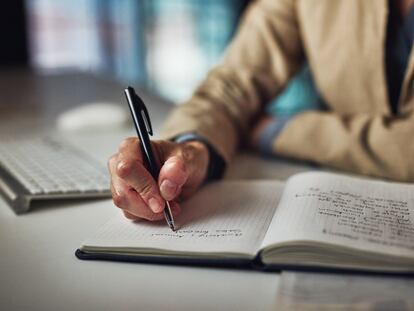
173	175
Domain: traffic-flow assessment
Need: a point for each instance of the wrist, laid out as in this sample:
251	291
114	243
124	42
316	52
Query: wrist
215	162
269	134
198	153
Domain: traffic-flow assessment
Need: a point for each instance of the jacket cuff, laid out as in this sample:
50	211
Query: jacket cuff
270	133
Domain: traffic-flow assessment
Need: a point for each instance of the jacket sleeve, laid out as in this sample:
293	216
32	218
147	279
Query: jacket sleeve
262	57
381	146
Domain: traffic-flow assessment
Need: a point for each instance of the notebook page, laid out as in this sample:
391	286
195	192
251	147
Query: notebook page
360	213
227	216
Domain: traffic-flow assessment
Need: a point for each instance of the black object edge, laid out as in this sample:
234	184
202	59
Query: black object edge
235	263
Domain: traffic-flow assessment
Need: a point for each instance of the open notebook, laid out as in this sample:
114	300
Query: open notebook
315	220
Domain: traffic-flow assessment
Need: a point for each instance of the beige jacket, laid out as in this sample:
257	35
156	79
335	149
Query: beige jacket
344	43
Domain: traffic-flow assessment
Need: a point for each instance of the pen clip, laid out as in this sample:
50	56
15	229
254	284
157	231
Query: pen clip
147	121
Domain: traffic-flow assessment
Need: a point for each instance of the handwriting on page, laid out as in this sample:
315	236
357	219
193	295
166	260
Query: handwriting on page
217	233
224	217
354	216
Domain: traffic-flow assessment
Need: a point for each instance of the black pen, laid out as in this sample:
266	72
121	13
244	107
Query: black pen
143	126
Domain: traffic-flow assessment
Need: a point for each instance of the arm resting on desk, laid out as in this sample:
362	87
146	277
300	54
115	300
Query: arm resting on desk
372	145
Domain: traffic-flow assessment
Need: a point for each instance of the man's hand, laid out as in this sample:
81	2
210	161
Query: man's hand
183	170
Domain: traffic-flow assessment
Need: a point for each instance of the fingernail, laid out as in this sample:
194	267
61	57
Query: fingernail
154	205
168	189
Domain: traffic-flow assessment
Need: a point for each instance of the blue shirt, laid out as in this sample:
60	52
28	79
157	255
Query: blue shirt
400	37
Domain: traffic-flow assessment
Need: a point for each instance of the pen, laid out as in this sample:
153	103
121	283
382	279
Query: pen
143	126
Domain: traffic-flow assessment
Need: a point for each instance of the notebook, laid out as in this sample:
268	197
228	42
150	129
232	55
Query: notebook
315	220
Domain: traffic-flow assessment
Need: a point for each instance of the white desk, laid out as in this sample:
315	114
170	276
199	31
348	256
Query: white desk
39	271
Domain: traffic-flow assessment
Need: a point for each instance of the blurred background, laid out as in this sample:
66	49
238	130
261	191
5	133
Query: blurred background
165	46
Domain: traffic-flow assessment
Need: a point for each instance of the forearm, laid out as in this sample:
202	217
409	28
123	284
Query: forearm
265	53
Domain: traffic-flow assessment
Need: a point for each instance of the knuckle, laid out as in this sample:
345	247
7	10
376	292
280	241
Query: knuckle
177	169
126	143
118	199
124	167
181	156
176	161
181	163
146	189
188	152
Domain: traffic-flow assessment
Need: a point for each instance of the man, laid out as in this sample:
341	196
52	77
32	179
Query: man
359	53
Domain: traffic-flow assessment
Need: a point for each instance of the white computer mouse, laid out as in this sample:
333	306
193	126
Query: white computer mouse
93	116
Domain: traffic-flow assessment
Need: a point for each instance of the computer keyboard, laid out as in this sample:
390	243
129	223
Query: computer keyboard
47	167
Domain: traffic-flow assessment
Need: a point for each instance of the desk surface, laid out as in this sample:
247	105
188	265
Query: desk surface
39	271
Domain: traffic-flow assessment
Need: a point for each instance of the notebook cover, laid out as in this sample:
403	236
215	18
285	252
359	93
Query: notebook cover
235	263
232	263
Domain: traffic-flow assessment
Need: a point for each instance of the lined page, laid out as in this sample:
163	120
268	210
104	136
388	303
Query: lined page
354	212
226	216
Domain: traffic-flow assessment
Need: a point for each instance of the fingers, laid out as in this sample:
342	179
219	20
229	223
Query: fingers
184	170
136	176
126	198
129	167
175	209
136	192
124	203
129	148
130	216
173	176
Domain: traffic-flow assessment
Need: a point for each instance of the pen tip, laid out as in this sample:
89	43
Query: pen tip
168	217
